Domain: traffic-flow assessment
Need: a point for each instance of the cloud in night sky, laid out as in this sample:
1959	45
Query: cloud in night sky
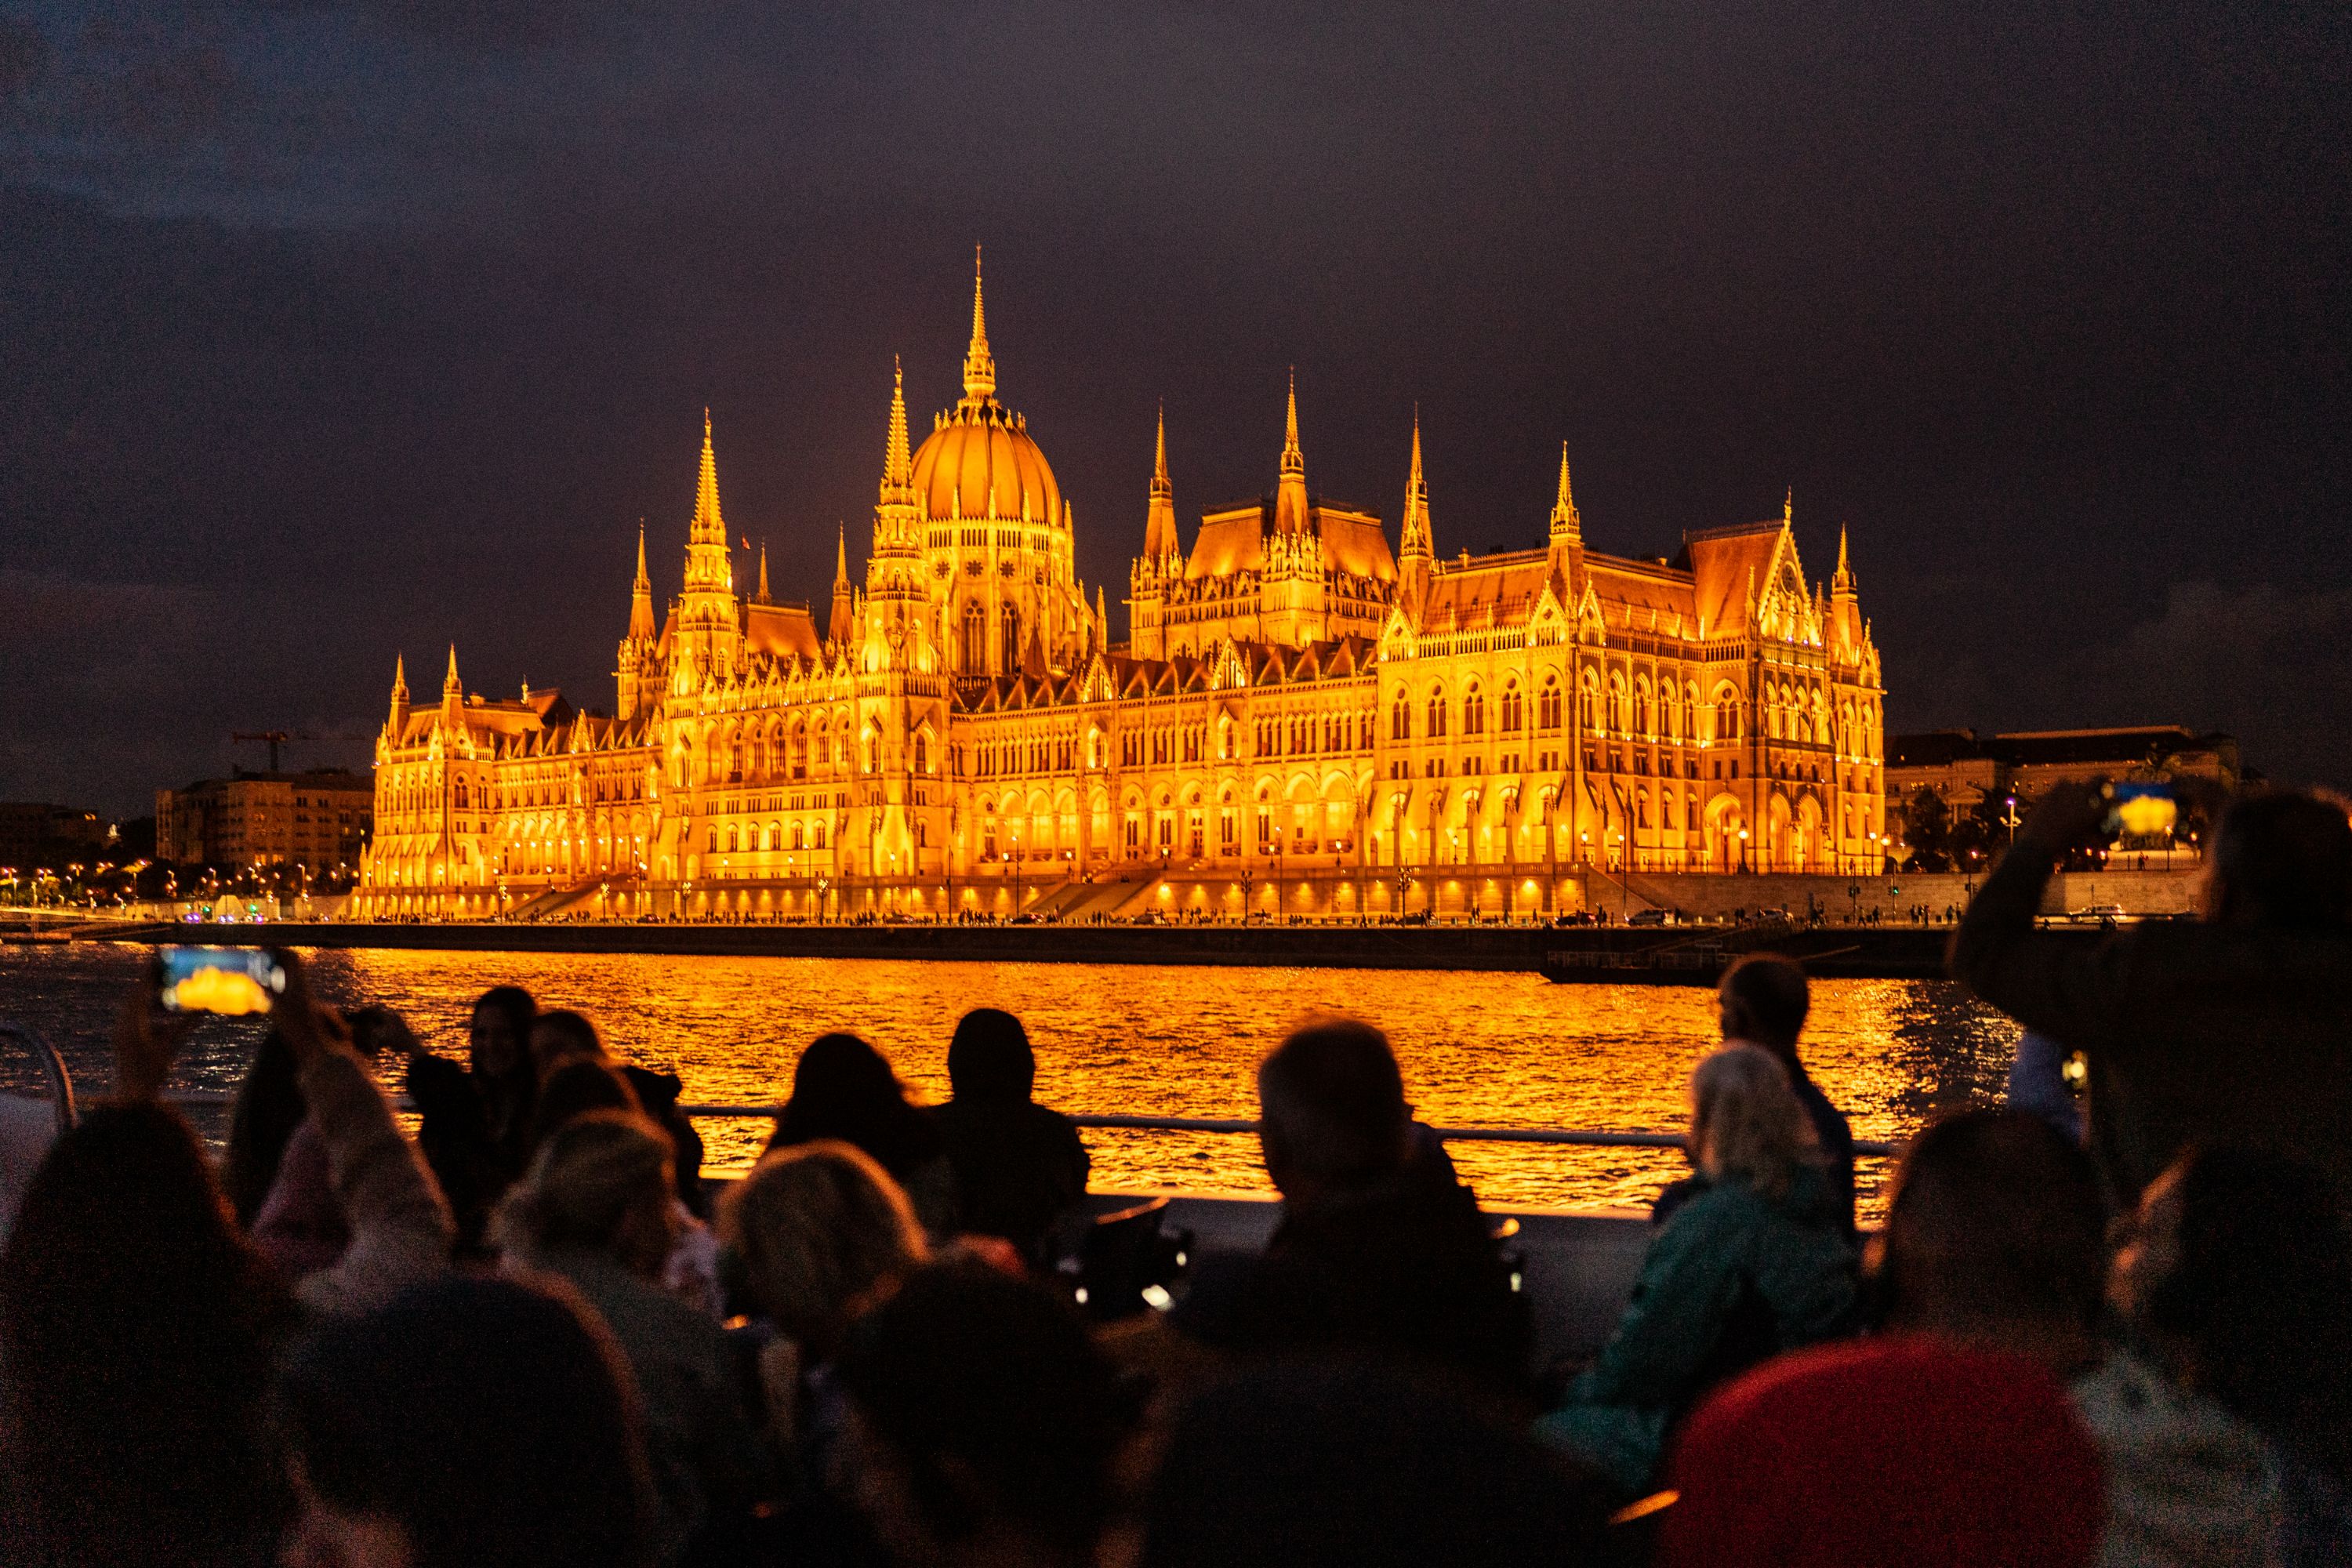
368	327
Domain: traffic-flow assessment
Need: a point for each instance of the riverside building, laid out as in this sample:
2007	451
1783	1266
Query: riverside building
1301	719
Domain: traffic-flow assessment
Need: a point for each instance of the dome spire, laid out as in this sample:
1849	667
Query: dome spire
450	684
979	364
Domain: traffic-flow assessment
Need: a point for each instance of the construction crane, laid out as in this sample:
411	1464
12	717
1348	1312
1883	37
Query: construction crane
276	738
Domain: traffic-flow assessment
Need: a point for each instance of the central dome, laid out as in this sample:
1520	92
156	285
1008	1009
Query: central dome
979	462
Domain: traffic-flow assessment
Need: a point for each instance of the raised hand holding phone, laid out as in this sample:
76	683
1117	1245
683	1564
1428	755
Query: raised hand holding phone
145	1045
310	1030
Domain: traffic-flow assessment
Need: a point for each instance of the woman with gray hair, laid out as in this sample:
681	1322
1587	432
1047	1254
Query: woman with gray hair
1754	1263
596	1209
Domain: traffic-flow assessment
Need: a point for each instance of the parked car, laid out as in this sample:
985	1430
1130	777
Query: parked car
2104	914
1649	918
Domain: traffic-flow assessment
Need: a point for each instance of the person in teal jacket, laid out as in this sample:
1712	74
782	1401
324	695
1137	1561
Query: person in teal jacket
1754	1262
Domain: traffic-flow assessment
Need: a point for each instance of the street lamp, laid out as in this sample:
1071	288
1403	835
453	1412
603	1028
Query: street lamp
1743	849
1622	895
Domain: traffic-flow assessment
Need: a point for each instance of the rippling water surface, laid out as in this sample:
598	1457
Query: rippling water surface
1499	1050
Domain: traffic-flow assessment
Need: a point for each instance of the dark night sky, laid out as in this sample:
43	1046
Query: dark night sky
329	331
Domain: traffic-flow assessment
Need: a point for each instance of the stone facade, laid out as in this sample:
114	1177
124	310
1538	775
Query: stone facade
1299	720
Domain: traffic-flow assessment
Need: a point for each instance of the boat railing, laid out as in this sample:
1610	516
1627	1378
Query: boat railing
1582	1137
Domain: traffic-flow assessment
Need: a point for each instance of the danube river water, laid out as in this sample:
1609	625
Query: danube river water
1477	1049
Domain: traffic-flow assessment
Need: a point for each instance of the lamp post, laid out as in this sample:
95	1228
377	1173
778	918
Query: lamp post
1622	897
1743	848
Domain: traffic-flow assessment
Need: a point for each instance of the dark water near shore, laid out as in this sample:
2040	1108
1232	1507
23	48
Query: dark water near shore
1484	1049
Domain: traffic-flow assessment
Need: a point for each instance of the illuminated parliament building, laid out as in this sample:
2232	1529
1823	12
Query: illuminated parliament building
1301	719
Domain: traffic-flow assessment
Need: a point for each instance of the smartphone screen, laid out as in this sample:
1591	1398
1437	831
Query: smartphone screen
234	980
2141	809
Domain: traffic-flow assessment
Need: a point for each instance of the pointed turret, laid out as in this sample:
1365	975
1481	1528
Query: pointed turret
760	595
1567	524
844	596
450	683
641	597
1102	622
1845	612
897	467
979	365
1161	549
896	525
709	527
399	719
709	564
1290	491
453	693
1416	550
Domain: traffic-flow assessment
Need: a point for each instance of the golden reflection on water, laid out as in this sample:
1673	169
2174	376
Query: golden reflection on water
1477	1049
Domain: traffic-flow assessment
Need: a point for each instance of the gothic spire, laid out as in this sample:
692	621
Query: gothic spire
979	365
896	467
1567	524
399	679
708	529
641	597
1293	462
1416	540
1159	543
1290	491
1159	486
450	684
844	603
762	597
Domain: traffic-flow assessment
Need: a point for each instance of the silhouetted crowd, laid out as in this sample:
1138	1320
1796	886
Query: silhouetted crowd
525	1330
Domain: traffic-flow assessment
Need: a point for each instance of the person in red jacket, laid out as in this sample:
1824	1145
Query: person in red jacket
1910	1449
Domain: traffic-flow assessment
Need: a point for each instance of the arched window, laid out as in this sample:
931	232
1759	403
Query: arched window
1011	620
1512	715
1549	704
923	754
798	842
975	639
1401	717
1641	709
1437	713
1474	712
734	841
713	848
461	794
